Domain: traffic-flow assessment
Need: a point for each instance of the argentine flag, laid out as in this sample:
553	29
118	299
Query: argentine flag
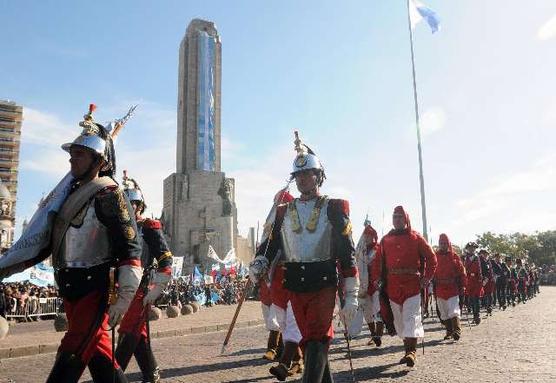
418	11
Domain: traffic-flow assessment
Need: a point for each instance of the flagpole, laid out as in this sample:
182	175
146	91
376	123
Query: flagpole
421	176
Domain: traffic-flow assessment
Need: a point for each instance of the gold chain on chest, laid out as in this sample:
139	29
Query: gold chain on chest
313	219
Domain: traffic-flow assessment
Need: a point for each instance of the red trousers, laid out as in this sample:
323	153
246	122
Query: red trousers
87	333
313	314
134	320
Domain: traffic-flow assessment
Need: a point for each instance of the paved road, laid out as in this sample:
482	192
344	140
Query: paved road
515	345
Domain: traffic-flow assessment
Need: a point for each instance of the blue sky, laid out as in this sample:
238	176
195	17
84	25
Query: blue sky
337	72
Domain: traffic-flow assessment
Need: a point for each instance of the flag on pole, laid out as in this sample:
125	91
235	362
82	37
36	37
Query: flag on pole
418	11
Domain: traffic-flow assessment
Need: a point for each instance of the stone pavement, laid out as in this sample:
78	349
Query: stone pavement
39	337
511	346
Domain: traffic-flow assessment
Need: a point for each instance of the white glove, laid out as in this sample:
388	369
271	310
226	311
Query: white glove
128	281
257	268
348	311
160	281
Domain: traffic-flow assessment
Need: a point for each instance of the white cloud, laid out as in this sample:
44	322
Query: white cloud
45	129
510	202
432	120
547	30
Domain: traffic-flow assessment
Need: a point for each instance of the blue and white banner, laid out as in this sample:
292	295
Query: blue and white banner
418	12
36	236
39	275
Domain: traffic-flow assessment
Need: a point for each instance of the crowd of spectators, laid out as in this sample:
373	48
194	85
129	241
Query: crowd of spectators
225	290
23	298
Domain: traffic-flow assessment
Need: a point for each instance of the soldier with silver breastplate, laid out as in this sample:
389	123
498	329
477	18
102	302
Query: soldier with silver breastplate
156	259
314	234
94	231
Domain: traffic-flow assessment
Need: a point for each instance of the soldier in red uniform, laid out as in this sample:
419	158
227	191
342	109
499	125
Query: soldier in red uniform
474	285
448	282
280	310
314	234
488	281
369	295
407	263
93	233
134	337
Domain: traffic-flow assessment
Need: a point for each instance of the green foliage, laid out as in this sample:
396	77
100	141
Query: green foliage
538	248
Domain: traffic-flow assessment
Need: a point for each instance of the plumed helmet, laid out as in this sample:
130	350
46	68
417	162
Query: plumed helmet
133	191
471	244
306	159
96	138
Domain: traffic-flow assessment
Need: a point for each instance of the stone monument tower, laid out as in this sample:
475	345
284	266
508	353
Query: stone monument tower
199	201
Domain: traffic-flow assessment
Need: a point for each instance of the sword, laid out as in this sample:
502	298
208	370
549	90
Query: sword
346	335
112	297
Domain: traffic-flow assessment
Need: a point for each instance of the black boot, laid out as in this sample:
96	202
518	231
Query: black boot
272	345
67	368
280	371
146	362
316	359
379	332
327	376
102	371
126	346
372	330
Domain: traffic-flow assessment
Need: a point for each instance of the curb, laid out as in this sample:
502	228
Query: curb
16	352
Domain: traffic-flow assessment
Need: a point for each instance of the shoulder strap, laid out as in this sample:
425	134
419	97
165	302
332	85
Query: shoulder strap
73	204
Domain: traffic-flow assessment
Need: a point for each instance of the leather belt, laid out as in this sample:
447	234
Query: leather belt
403	271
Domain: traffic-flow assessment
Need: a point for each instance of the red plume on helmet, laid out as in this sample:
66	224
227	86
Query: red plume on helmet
400	210
283	196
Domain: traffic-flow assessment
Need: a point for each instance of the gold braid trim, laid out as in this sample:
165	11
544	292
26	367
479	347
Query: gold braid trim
347	230
294	216
165	255
315	214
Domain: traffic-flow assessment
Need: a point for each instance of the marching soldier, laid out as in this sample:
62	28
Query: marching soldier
501	273
95	230
369	298
448	282
512	282
522	280
134	337
474	285
488	280
314	234
407	264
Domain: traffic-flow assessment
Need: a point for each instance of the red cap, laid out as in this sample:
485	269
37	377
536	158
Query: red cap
400	210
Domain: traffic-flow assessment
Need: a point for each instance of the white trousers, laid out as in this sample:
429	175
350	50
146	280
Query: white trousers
286	323
449	308
269	318
371	307
407	318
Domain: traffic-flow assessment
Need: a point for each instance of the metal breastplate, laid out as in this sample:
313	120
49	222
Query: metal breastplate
86	242
300	244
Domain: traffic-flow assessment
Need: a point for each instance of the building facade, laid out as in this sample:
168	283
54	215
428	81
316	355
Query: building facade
11	117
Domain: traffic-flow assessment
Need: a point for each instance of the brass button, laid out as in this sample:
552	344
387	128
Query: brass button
89	277
67	285
302	279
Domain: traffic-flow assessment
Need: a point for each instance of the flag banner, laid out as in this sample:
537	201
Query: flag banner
36	236
418	12
177	266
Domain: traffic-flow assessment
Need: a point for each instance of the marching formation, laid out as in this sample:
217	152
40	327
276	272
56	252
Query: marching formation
111	264
307	264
